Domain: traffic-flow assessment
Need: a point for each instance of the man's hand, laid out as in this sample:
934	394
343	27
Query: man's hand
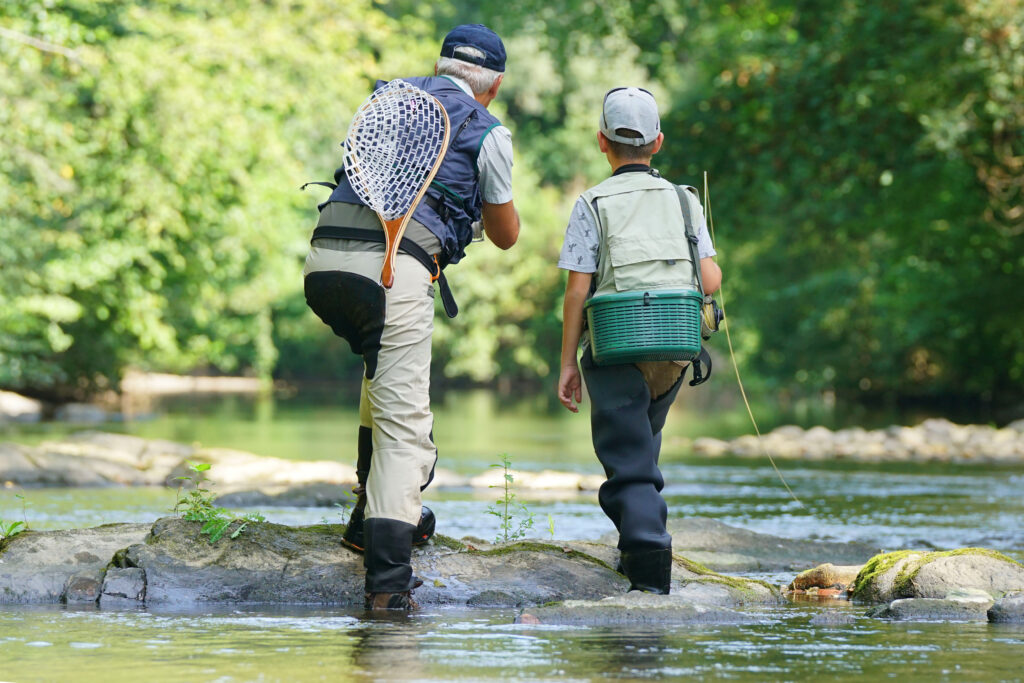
570	387
501	223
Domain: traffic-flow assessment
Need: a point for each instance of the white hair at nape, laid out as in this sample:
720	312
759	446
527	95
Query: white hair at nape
480	79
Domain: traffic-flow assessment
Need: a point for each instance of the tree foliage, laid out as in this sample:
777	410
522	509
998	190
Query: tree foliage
865	162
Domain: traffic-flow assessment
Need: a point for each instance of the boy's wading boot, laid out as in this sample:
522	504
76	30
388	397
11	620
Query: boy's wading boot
376	602
649	571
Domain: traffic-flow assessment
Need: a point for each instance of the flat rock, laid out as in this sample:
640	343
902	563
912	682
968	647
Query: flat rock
908	574
38	566
726	548
170	563
633	609
17	408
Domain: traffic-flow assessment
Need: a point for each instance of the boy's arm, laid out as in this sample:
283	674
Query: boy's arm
569	383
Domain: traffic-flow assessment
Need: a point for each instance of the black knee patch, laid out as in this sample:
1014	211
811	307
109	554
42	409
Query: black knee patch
353	306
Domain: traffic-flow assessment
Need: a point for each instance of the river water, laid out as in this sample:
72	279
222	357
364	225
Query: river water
891	506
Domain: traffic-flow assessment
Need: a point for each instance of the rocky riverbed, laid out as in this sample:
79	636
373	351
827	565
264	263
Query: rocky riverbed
171	564
934	440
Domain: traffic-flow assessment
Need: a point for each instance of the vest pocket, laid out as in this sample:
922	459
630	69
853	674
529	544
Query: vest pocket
641	264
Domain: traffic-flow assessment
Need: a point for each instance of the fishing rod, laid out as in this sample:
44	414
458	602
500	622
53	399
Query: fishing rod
732	353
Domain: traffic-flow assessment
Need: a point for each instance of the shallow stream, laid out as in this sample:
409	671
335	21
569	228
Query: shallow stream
891	506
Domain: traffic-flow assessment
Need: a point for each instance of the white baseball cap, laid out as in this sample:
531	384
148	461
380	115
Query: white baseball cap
633	109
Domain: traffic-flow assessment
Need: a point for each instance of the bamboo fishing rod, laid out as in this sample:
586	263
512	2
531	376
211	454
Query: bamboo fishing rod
732	353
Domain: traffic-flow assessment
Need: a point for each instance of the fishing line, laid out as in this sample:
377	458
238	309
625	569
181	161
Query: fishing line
732	354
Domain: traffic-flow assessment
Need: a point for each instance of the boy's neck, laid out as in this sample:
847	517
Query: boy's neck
632	167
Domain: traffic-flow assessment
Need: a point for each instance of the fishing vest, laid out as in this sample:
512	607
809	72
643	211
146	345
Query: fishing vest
453	201
643	243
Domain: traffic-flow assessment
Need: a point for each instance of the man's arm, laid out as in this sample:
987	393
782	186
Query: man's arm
501	223
569	382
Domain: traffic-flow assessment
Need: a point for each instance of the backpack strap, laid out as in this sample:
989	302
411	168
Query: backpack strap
691	234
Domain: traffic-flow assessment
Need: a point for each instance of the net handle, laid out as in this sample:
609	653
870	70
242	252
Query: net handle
395	228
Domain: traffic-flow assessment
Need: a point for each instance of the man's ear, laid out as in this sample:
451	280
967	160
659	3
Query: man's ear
493	92
435	68
602	142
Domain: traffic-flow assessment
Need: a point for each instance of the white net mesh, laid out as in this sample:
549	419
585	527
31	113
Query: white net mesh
392	145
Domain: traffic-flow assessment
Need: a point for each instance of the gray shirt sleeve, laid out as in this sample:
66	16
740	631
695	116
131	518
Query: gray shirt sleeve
495	165
582	241
704	246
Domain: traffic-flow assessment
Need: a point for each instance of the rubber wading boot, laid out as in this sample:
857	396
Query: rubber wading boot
382	601
353	536
649	571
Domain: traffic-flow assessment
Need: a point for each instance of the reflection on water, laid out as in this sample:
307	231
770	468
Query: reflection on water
442	645
892	506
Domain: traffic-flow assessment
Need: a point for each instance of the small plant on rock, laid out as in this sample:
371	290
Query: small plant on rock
507	507
10	529
199	505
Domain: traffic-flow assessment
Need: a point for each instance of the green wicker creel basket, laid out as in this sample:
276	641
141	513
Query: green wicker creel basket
630	327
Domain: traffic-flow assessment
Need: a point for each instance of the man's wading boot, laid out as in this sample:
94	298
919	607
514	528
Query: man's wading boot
649	571
353	536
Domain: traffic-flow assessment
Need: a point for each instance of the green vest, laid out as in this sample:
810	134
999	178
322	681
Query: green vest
643	243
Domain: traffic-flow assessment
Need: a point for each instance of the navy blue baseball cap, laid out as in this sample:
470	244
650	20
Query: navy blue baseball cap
480	37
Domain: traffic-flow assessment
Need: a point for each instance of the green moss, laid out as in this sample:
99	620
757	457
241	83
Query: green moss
879	564
537	547
448	542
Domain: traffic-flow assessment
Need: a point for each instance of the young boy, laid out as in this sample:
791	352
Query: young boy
628	233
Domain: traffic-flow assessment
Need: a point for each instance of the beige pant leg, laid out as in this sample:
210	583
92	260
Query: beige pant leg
398	398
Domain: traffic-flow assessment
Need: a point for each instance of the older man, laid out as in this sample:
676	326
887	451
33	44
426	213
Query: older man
391	329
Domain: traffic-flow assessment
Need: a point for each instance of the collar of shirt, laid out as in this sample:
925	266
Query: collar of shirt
632	168
461	83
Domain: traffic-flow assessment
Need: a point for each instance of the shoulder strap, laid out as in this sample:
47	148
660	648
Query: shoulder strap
691	235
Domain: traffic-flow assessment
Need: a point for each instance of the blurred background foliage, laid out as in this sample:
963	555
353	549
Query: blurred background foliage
865	159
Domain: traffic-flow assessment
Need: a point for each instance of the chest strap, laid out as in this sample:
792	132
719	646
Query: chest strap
429	262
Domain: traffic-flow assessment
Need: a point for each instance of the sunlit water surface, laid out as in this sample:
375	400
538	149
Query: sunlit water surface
891	506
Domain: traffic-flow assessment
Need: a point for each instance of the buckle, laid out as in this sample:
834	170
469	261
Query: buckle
435	275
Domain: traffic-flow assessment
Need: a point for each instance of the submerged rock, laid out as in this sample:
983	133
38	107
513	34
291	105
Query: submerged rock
633	608
911	574
933	609
1009	608
170	563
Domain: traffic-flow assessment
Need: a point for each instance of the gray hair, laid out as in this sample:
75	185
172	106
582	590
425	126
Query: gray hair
480	79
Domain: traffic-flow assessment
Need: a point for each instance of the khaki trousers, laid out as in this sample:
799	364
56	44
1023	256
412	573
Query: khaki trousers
396	402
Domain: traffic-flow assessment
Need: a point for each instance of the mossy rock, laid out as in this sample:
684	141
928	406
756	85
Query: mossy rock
917	574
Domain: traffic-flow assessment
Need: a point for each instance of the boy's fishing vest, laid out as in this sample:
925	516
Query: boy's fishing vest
453	201
643	243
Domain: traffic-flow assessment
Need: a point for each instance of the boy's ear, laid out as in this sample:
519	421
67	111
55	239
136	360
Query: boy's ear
602	142
657	143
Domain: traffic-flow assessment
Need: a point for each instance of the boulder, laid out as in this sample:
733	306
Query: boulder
61	566
731	549
827	576
911	574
